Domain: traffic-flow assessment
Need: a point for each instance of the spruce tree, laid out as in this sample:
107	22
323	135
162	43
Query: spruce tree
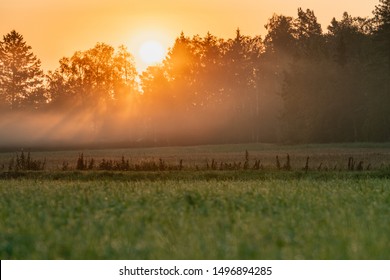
21	77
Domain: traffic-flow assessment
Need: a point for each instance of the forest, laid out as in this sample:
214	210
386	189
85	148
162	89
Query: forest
299	83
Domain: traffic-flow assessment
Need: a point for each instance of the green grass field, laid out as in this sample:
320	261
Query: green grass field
207	214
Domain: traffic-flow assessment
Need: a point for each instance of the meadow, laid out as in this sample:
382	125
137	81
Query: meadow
199	212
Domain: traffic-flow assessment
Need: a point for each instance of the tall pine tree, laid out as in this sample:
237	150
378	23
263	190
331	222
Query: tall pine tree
21	77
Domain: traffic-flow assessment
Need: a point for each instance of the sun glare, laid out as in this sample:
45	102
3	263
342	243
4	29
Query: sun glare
151	52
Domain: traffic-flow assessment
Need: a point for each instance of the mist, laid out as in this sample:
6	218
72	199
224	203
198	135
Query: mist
120	128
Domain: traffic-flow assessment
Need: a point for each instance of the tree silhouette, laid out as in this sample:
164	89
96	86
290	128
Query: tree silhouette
280	36
346	38
96	76
309	34
21	77
382	18
306	24
382	70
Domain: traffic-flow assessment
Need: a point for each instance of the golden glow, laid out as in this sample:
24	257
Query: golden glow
55	29
149	31
151	52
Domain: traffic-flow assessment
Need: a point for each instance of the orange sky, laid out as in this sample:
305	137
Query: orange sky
59	28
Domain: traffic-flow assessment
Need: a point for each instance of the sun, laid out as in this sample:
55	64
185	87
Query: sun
151	52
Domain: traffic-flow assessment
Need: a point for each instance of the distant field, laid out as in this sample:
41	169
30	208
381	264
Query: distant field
329	156
322	213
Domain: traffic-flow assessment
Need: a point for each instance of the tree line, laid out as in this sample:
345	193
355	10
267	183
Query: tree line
298	84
